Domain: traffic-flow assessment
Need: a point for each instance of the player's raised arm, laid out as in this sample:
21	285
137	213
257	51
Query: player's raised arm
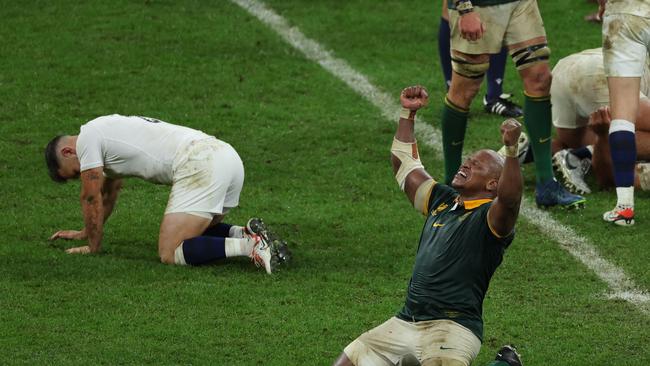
405	158
505	208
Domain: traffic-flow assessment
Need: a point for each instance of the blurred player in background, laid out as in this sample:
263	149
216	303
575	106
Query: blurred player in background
468	227
579	89
206	176
495	100
626	41
480	28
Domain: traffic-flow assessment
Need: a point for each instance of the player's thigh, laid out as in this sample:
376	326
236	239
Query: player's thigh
525	25
177	227
385	344
448	343
494	18
626	40
209	180
442	362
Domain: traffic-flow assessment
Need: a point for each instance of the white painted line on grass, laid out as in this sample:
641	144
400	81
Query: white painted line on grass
620	284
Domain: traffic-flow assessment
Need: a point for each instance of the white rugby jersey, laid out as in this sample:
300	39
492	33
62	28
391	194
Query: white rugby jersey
635	7
132	146
581	77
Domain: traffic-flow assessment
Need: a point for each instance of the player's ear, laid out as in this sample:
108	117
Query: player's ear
492	185
68	151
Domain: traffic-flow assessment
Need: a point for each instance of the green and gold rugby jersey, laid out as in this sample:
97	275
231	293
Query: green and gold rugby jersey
457	256
450	3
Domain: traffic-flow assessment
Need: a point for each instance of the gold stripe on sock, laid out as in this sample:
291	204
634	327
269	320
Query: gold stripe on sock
543	98
455	107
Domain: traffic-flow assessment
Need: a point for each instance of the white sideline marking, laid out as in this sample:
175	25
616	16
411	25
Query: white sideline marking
621	285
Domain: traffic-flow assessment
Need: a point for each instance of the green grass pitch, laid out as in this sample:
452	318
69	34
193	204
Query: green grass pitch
317	170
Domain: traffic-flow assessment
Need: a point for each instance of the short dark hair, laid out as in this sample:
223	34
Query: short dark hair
52	160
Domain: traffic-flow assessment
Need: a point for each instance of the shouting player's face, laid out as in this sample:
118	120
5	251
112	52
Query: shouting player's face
479	174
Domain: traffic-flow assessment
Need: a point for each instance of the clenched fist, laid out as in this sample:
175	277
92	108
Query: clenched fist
414	97
510	131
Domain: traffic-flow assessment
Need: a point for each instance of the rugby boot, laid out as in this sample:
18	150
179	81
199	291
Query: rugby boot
503	106
620	215
279	247
573	171
551	193
508	353
262	255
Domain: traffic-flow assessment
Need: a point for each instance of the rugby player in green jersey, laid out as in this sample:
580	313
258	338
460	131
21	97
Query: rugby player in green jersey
480	28
468	227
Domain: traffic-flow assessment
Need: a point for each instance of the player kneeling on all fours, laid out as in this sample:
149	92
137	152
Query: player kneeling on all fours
469	225
206	175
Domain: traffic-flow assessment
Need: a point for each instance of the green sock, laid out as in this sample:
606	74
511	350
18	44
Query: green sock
537	118
498	363
454	122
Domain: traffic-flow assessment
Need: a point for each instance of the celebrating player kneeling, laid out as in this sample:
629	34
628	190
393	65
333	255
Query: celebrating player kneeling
468	227
206	175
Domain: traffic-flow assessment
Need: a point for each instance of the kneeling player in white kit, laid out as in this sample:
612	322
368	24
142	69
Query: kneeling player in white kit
578	94
206	176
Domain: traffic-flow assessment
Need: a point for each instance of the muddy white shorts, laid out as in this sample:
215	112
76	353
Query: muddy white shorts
626	41
506	24
435	342
208	177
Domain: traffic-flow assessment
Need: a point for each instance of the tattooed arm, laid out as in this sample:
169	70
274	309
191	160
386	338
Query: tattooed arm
92	181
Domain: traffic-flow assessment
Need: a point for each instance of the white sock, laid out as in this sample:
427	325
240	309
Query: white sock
239	247
179	257
625	196
236	231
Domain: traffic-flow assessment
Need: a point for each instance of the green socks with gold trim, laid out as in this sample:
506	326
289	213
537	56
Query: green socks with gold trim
537	119
453	125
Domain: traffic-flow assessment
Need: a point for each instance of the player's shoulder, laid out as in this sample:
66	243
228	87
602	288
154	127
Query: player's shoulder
101	120
588	55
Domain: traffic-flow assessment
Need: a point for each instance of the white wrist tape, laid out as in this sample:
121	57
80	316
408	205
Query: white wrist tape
406	114
512	151
407	153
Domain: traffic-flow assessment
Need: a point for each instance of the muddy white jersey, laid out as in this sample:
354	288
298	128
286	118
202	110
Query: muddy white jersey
635	7
132	146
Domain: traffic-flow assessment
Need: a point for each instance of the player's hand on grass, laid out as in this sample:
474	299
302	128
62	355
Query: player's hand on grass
471	26
510	131
599	121
414	97
78	250
70	235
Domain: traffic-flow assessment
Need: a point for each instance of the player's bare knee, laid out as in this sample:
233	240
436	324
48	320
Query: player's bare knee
538	81
167	258
463	96
167	253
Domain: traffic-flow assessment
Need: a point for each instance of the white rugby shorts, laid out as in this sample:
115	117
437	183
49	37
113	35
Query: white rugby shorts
429	341
626	42
208	176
